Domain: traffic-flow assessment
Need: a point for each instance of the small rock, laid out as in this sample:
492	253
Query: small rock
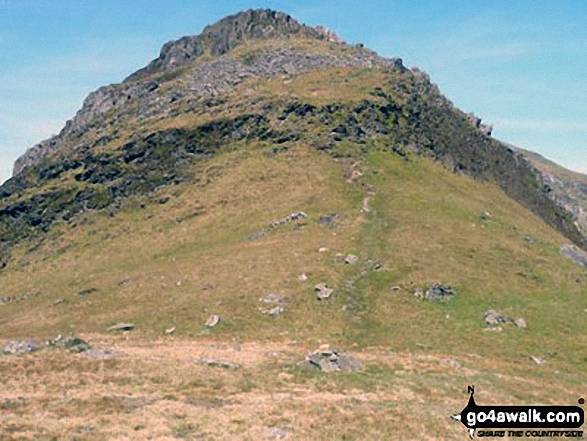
277	432
272	298
5	300
58	302
322	249
331	360
273	312
302	277
439	292
76	345
120	327
322	291
86	292
520	323
212	321
16	347
419	293
351	259
290	218
537	360
492	318
396	288
169	331
212	362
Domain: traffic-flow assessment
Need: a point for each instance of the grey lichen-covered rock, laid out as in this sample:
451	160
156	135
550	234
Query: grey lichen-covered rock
73	344
326	359
16	347
435	292
323	292
213	321
351	259
574	253
289	218
121	327
494	320
276	300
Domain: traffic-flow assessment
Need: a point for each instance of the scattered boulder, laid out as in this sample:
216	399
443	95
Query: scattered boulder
73	344
5	300
322	291
302	277
213	362
16	347
290	218
322	249
436	292
439	292
86	292
121	327
495	319
537	360
273	299
330	220
351	259
213	321
331	360
169	330
574	253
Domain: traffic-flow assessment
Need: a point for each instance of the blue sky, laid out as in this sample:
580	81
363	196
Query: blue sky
518	64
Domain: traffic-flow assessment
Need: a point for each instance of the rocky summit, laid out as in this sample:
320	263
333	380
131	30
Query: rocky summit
261	190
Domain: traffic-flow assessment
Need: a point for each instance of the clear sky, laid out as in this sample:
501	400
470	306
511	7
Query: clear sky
518	64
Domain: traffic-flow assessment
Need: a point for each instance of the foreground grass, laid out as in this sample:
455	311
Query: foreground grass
153	390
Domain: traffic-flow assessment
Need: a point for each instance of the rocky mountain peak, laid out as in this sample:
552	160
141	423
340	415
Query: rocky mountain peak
219	38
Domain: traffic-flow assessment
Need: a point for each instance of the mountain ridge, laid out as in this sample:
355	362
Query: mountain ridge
410	115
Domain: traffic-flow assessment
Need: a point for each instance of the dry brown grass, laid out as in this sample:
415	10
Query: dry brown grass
153	390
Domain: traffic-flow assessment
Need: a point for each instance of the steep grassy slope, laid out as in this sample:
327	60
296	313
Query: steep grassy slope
175	263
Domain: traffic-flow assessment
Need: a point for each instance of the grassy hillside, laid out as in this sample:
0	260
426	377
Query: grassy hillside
177	263
163	213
